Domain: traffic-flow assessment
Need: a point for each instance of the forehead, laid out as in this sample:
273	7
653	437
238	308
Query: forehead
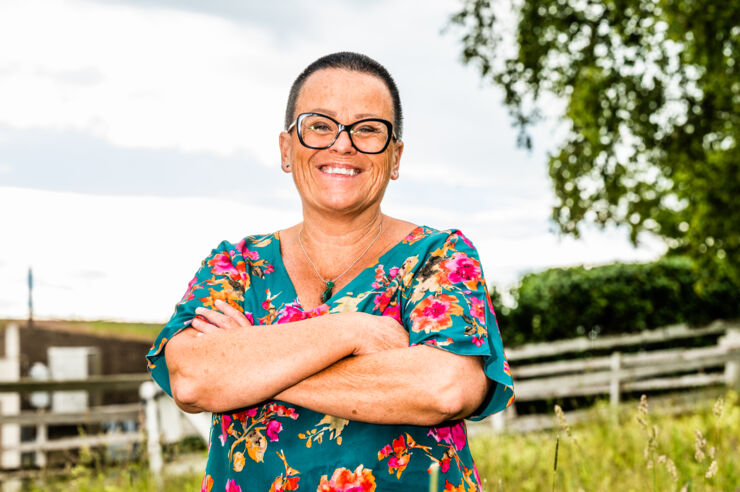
345	93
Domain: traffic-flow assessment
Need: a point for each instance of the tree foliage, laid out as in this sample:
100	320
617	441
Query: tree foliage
651	97
613	299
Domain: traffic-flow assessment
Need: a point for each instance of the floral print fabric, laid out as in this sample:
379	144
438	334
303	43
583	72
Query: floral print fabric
432	283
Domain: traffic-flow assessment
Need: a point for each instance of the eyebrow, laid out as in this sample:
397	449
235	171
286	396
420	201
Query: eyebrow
333	114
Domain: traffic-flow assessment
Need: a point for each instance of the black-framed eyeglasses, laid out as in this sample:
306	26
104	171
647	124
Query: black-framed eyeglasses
318	131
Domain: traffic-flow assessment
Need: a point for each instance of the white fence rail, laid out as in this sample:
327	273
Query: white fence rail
616	373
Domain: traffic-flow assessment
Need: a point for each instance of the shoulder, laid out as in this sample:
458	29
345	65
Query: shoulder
425	238
248	248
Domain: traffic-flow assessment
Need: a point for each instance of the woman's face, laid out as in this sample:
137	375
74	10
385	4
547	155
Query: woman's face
340	178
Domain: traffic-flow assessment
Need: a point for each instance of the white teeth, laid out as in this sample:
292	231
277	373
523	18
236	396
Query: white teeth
340	170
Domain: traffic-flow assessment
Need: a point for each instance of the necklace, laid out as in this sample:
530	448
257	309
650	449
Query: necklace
330	283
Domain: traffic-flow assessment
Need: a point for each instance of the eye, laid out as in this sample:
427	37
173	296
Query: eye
320	126
367	129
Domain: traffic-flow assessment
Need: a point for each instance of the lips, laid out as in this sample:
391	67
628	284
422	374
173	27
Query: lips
335	170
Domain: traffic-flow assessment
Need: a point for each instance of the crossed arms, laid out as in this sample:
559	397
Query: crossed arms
351	365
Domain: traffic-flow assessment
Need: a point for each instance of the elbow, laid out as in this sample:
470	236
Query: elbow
186	394
461	393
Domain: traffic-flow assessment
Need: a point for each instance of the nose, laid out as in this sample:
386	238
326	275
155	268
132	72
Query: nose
343	144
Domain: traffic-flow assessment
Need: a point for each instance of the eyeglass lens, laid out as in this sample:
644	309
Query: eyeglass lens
367	136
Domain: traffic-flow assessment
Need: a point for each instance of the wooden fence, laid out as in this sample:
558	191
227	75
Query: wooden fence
629	366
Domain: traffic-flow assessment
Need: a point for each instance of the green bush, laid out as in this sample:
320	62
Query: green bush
618	298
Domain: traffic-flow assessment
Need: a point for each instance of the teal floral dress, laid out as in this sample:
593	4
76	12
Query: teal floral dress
431	282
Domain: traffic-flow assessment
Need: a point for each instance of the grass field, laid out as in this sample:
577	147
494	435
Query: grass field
641	452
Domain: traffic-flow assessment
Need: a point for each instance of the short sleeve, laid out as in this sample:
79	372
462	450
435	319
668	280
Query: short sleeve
447	306
222	275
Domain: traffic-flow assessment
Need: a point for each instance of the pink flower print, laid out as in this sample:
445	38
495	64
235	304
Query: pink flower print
434	313
463	269
507	369
381	301
282	411
393	311
273	428
393	272
225	422
231	486
477	340
249	317
291	312
241	246
245	414
269	269
189	293
454	434
465	239
221	265
478	309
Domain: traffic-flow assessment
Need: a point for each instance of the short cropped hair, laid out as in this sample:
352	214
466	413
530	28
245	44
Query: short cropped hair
354	62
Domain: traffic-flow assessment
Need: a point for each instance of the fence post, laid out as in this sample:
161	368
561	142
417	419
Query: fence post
615	365
10	403
147	392
731	341
41	438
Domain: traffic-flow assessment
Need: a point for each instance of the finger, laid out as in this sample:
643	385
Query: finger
203	326
216	318
233	313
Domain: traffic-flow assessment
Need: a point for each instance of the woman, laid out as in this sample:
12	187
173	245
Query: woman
343	352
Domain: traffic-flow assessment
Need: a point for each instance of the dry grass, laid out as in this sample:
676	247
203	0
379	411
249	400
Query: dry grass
643	452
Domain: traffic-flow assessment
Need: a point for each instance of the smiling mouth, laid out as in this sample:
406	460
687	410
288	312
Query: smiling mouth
342	171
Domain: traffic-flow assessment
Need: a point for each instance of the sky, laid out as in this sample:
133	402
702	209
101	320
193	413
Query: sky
136	135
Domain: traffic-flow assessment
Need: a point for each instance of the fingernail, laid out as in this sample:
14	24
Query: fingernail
200	310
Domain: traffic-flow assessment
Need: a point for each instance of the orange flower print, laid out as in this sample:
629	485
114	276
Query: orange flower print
399	456
207	484
451	488
434	313
343	480
463	269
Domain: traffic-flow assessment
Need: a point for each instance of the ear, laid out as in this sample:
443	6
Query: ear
286	145
397	151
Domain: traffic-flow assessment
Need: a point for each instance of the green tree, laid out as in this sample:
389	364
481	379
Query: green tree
651	98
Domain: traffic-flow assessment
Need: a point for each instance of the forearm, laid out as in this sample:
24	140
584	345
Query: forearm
231	369
416	385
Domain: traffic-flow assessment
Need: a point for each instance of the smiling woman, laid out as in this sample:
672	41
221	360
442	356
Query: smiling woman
332	351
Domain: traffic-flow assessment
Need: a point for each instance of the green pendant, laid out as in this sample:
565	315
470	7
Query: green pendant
327	293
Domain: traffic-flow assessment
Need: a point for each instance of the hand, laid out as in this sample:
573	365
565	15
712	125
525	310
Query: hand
378	333
228	318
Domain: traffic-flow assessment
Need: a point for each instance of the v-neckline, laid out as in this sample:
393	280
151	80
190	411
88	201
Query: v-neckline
279	261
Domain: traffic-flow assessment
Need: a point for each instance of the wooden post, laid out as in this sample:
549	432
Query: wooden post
498	422
41	438
615	365
731	342
10	403
147	392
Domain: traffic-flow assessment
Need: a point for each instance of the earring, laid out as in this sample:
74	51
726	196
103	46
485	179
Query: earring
394	174
286	166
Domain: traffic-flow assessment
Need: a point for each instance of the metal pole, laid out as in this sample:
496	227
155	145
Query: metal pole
30	296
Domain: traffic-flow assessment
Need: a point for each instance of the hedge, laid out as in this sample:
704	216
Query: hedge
617	298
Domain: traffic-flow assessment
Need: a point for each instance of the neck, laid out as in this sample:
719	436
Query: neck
337	234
